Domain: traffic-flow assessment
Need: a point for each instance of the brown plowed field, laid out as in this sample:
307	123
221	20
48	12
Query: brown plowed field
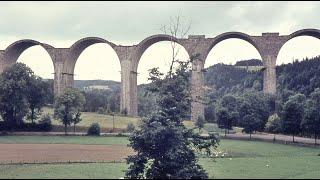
49	153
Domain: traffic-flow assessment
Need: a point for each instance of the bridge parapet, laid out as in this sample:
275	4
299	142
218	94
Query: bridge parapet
196	37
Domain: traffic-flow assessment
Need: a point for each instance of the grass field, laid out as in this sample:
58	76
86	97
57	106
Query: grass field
105	121
121	122
244	159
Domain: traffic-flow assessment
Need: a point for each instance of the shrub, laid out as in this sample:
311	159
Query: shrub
94	130
45	123
273	124
130	127
200	122
101	110
124	112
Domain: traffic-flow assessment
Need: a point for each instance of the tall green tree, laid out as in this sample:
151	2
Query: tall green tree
293	113
13	88
311	120
163	144
255	104
68	106
227	112
37	95
76	120
273	125
250	123
200	123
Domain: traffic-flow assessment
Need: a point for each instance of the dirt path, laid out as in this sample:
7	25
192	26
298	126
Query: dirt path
261	136
42	153
269	137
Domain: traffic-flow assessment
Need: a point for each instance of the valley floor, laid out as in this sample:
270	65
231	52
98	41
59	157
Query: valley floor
241	159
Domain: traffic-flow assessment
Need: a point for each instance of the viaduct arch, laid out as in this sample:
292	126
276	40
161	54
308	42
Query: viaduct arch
14	50
64	59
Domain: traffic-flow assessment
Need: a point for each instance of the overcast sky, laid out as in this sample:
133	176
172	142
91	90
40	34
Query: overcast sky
62	23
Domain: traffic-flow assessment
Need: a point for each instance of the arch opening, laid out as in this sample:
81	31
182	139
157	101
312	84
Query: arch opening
233	66
98	61
298	65
38	59
298	48
13	51
160	55
231	50
97	73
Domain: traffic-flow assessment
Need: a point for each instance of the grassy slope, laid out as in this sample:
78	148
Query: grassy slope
121	122
105	121
246	159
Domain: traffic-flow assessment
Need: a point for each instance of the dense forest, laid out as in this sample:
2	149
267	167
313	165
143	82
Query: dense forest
221	79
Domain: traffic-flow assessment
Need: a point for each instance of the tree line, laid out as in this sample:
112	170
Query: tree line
23	95
235	98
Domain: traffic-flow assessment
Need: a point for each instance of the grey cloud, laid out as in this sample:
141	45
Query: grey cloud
133	21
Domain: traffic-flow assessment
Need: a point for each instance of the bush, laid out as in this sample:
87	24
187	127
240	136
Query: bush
273	124
101	110
200	122
124	112
130	127
45	123
94	130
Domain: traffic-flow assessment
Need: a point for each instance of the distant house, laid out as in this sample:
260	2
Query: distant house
250	65
96	87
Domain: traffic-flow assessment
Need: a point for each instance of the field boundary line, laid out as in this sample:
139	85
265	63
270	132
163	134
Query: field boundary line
60	162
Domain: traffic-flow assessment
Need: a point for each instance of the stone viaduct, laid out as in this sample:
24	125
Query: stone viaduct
64	59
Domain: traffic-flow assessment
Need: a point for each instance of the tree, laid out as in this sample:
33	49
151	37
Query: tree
200	122
256	104
224	119
36	95
227	112
76	120
250	124
311	120
13	87
163	144
67	107
293	113
273	125
209	113
130	127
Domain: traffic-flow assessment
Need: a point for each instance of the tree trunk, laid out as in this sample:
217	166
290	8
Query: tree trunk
225	132
315	139
65	129
274	137
74	127
32	116
292	138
